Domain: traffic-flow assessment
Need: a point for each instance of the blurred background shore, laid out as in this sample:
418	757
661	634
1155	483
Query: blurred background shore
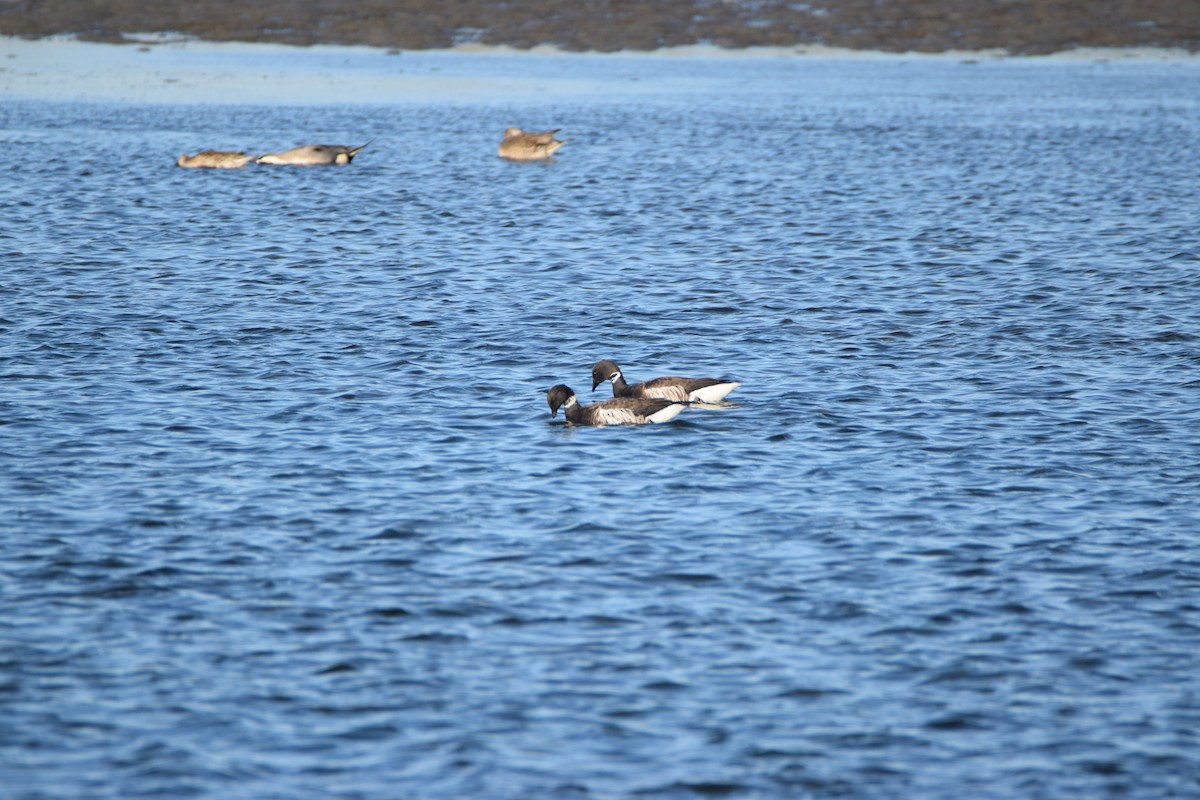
1016	26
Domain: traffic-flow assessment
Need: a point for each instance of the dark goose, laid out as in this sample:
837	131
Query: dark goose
680	390
618	411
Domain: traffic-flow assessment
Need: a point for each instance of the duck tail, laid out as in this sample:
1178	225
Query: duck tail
360	148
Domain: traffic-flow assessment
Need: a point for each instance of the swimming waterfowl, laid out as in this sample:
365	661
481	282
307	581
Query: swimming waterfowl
313	155
679	390
618	411
518	145
214	159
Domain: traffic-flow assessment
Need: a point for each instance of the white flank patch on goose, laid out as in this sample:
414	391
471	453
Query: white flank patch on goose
667	414
713	394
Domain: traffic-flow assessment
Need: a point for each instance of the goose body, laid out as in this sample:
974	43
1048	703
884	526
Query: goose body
679	390
313	155
519	145
618	411
214	159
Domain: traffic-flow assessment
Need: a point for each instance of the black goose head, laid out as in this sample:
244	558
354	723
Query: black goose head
557	396
604	371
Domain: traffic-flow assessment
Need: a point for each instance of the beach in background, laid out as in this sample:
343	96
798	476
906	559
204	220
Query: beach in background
164	69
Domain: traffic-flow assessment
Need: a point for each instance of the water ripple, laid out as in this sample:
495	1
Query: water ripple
288	516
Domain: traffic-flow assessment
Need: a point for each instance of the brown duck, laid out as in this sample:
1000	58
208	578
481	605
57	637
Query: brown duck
214	159
518	145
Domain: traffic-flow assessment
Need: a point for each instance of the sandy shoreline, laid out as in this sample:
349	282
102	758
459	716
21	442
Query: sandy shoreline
162	69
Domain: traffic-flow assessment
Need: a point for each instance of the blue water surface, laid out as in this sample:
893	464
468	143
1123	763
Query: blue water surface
286	516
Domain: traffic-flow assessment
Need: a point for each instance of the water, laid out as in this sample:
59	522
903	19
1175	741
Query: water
286	515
